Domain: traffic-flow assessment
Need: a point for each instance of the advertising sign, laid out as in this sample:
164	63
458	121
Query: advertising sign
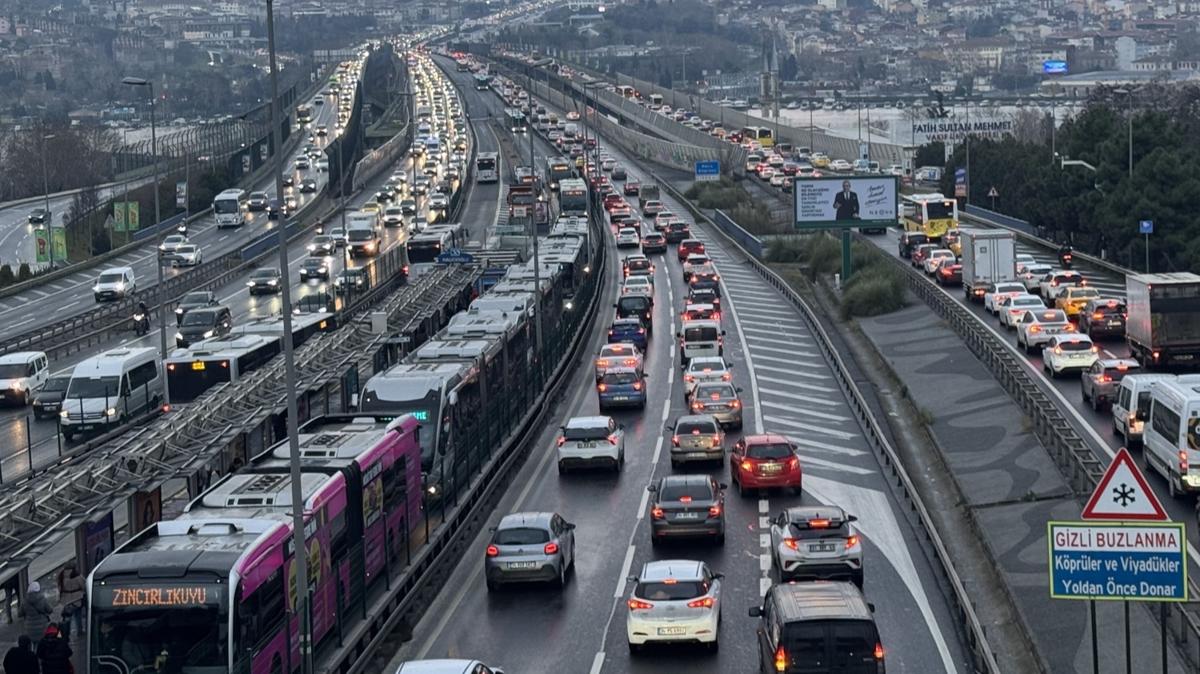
960	182
455	256
1116	561
42	242
1054	67
835	201
94	539
125	216
246	163
146	508
955	129
180	194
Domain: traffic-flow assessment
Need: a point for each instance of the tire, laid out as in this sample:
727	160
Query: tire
720	539
492	585
1084	395
1173	489
562	469
674	464
715	646
561	581
742	490
1095	404
634	648
618	464
1117	432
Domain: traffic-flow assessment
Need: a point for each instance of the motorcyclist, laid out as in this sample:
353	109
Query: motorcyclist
1065	254
142	317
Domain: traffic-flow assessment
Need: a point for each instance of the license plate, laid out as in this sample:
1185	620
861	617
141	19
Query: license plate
822	547
620	398
1114	324
697	455
770	468
687	516
585	443
671	631
522	565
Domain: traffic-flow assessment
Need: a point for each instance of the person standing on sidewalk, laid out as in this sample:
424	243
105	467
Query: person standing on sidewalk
70	595
54	652
37	612
21	659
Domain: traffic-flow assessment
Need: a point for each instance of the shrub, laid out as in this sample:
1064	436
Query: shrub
876	288
6	275
786	250
24	273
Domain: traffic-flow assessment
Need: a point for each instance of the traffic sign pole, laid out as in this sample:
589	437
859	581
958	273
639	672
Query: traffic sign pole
1146	228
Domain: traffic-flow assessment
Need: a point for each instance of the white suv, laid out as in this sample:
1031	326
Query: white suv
586	442
1068	352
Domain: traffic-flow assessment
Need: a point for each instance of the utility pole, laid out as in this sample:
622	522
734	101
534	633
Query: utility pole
46	196
160	232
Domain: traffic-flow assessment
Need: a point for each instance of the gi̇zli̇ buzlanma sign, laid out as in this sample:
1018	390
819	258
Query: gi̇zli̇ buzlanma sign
1116	561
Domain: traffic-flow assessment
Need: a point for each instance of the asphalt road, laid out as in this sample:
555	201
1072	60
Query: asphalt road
72	295
27	440
787	388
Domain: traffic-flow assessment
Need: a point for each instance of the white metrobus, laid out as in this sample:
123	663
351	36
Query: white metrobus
1171	437
229	207
487	167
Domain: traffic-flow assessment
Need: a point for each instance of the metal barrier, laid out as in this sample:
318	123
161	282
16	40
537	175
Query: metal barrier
752	244
1028	233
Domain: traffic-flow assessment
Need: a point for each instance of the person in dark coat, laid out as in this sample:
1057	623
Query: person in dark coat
54	652
37	611
21	659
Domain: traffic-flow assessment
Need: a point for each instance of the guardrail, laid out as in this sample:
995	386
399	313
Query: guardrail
983	658
1027	232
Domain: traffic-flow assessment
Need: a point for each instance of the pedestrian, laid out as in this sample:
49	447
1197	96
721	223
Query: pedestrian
21	659
37	612
54	652
70	595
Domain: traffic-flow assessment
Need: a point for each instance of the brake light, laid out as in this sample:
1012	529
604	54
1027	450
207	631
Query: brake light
1058	350
492	551
747	466
818	524
685	499
630	362
656	513
1035	328
794	463
727	376
781	660
703	602
562	440
641	331
601	362
1070	327
851	542
551	548
714	511
675	440
1095	349
878	651
602	387
689	378
792	543
639	605
637	385
1014	312
1183	461
1105	378
735	404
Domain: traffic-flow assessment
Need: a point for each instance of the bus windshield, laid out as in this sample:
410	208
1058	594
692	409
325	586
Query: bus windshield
938	210
187	381
423	251
155	637
486	163
226	206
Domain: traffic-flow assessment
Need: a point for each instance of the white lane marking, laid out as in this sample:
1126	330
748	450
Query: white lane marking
794	384
764	562
805	397
774	331
822	446
620	591
597	663
806	426
792	381
764	586
790	363
803	412
39	293
654	460
670	376
641	513
763	506
767	311
737	325
764	540
20	323
756	343
666	413
764	522
809	461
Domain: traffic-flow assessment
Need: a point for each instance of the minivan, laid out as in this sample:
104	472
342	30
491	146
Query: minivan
818	627
22	374
1169	436
1131	405
108	389
115	283
700	338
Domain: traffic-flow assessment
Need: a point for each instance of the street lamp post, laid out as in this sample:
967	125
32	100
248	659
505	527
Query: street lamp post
298	539
159	299
46	191
1128	94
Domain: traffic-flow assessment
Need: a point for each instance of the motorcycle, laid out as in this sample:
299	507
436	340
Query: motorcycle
1064	259
141	323
182	228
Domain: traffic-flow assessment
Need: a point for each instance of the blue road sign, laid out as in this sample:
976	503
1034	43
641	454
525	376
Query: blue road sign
1118	561
708	170
1054	67
455	256
1145	226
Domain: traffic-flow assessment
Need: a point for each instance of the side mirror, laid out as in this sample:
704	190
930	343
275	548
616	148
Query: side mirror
871	606
738	389
722	485
722	332
756	611
718	575
851	518
621	426
679	335
570	526
669	428
632	579
652	488
492	529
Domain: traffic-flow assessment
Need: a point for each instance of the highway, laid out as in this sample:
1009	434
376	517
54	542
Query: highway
787	388
72	295
19	431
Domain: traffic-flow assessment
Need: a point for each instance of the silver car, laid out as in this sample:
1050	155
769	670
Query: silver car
721	400
705	369
697	437
533	546
816	542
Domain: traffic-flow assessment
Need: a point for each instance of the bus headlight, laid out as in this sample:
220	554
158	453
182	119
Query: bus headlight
110	412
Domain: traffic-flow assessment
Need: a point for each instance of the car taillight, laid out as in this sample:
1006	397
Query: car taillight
781	660
685	499
703	602
675	440
1070	327
656	513
562	440
851	542
747	466
1105	378
1183	461
878	651
736	404
641	331
601	362
612	440
689	378
602	387
1014	312
492	551
1032	328
697	406
630	362
794	463
792	543
551	548
637	385
714	511
639	605
1095	349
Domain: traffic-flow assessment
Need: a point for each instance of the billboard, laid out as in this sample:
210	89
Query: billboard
836	201
953	130
1054	67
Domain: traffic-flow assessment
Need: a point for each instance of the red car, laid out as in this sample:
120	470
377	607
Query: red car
949	274
612	200
764	462
690	247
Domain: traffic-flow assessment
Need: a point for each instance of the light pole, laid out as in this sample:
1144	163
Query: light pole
1128	94
159	232
46	192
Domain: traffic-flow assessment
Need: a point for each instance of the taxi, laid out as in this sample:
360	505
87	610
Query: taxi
1073	299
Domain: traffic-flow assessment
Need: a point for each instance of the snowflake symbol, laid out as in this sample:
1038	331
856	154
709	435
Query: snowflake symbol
1123	495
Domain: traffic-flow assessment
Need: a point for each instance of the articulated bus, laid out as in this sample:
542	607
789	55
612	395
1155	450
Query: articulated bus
213	590
558	169
487	167
759	134
424	248
517	122
931	214
214	361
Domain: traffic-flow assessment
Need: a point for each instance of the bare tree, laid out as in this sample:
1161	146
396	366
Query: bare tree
1030	126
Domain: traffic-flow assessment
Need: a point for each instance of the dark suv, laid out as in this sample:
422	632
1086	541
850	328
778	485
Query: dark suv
820	627
1103	317
687	506
909	241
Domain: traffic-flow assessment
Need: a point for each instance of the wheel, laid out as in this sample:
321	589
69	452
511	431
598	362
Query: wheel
1116	431
620	462
720	539
562	469
1095	404
1173	488
674	464
1083	392
561	581
715	646
742	490
492	585
635	648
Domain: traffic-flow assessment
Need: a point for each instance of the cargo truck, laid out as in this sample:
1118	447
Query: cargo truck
648	192
1163	325
988	256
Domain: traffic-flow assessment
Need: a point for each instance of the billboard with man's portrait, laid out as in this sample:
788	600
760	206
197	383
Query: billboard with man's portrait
845	201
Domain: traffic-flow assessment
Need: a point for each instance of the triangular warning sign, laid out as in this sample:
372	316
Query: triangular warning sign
1123	494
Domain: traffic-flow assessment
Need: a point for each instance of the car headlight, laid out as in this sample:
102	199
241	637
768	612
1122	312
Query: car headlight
178	336
274	282
63	413
179	310
321	270
209	333
120	285
17	384
110	412
249	284
96	289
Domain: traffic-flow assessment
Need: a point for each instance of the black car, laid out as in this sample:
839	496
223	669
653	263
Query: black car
678	231
636	306
266	280
909	242
383	196
687	505
1103	317
308	185
314	268
288	181
201	324
618	173
194	300
704	282
356	278
704	296
47	400
38	216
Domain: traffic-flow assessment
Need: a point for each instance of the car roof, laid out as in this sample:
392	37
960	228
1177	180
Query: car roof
679	569
619	345
438	667
117	270
820	600
525	519
20	357
818	512
587	422
707	360
695	419
1118	362
765	439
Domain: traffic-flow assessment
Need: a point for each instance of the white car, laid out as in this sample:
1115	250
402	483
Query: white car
1032	275
1064	353
607	165
1023	260
586	442
627	237
439	202
302	163
1011	310
777	180
703	369
935	258
322	165
172	243
675	600
766	173
1036	328
393	216
638	285
840	165
1055	281
621	354
338	235
187	255
992	298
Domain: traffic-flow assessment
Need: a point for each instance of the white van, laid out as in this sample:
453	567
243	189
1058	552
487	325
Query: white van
700	338
111	388
22	374
1171	438
752	161
229	208
1131	405
114	283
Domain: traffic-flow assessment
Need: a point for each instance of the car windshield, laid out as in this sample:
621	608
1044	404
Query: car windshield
670	590
774	450
186	250
110	278
700	334
521	536
13	370
194	298
1050	317
1117	373
675	490
615	378
93	387
1068	345
265	274
1026	302
804	532
694	427
56	384
1111	310
194	318
715	391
